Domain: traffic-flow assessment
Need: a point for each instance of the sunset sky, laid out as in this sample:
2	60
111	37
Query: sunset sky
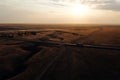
60	11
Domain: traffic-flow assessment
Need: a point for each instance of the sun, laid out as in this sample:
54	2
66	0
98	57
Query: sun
79	9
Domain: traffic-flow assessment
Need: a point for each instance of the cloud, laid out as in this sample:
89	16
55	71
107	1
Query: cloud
113	5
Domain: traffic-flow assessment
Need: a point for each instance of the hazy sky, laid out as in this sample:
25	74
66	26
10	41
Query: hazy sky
60	11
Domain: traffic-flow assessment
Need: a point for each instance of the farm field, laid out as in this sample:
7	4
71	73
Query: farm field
21	58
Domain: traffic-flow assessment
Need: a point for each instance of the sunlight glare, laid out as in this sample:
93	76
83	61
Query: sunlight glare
79	9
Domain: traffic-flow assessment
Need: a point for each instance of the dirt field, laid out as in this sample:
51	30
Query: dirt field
21	60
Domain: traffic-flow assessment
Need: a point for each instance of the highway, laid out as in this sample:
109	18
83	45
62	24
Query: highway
51	43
